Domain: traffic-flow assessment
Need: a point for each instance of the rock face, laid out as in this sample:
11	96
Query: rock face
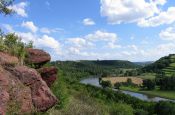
6	59
22	89
37	57
15	97
42	97
48	74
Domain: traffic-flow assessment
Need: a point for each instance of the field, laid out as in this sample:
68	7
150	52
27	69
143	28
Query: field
114	80
147	76
171	68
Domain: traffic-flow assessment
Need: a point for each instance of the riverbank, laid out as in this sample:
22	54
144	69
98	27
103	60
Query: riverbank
163	94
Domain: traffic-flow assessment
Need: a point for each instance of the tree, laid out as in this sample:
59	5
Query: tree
104	74
105	84
165	108
30	44
149	84
117	85
129	81
4	9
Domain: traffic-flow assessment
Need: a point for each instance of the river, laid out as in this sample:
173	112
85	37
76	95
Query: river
95	82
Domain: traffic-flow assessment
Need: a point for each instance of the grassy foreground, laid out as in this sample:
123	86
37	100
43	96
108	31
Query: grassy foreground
156	92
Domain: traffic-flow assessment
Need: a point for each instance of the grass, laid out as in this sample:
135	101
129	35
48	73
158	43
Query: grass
156	92
114	80
75	100
147	76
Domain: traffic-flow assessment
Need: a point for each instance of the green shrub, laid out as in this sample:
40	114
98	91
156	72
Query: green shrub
121	109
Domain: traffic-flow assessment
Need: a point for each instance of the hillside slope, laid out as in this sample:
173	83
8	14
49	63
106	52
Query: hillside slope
110	63
165	64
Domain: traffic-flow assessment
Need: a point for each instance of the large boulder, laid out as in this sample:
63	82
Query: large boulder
37	57
6	59
42	97
14	96
48	74
4	95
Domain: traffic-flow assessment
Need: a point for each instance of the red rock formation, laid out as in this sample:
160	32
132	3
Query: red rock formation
14	94
42	97
4	95
6	59
23	87
37	57
48	74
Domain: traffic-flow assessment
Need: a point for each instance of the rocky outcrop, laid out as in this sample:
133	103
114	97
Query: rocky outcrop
15	97
22	89
6	59
42	97
37	57
48	74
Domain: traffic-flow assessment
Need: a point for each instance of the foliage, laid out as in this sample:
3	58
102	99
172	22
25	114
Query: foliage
165	108
158	65
106	84
141	112
149	84
122	109
117	85
12	44
4	6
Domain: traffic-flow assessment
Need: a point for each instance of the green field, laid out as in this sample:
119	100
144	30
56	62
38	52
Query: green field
156	92
170	70
147	76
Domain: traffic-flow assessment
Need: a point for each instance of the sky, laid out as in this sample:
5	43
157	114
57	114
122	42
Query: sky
134	30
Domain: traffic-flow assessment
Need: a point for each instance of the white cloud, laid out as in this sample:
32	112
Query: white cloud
166	17
45	30
88	22
30	25
45	42
102	36
78	42
8	27
126	11
168	34
143	13
112	45
20	8
27	37
49	31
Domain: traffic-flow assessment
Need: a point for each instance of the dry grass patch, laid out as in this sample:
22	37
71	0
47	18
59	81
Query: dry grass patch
114	80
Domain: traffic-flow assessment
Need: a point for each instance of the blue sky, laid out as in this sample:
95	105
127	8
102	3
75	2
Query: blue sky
135	30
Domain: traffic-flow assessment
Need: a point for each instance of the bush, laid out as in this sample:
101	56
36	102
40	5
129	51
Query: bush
149	84
165	108
141	112
121	109
105	84
117	85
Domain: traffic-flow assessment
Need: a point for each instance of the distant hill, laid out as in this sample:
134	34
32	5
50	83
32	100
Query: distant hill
165	64
96	67
111	63
143	63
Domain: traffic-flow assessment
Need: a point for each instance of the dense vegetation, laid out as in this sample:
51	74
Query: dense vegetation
165	63
165	73
77	98
12	44
4	6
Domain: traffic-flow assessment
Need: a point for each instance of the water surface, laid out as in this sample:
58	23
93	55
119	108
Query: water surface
95	82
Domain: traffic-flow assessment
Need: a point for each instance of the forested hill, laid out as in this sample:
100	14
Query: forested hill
111	63
105	63
165	64
143	64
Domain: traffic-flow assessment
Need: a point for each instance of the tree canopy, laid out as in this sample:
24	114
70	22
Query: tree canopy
4	6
